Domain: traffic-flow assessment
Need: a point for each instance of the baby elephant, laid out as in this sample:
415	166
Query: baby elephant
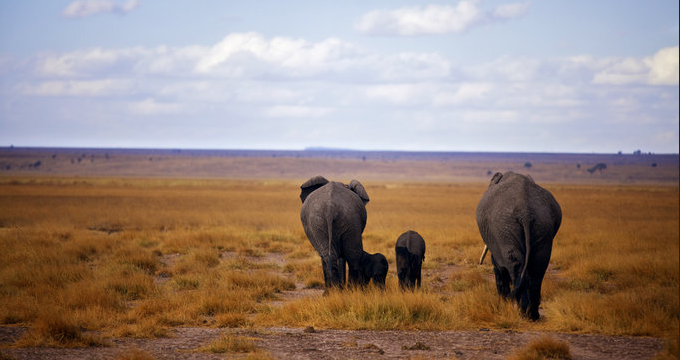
410	251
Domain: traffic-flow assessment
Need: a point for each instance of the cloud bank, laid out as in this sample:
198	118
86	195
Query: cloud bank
326	92
435	19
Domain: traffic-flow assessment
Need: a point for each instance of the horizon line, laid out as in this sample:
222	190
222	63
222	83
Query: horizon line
320	149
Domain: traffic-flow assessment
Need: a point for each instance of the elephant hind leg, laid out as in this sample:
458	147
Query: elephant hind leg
418	263
333	273
502	281
532	300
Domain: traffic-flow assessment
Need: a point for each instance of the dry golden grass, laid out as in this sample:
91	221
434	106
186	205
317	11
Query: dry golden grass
543	349
134	257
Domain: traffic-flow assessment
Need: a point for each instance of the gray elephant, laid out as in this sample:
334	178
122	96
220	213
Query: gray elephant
410	253
334	217
518	220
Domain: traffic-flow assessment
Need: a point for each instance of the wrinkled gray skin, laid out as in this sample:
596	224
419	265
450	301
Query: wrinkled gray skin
410	253
518	220
334	217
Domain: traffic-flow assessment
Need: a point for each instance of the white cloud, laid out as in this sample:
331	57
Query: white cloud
509	11
431	19
242	54
658	69
85	8
410	66
663	67
81	88
434	19
84	62
465	94
398	94
153	107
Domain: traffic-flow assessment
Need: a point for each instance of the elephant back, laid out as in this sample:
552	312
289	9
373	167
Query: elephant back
413	242
512	201
336	204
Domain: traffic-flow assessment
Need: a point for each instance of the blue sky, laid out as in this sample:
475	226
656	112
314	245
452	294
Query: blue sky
478	75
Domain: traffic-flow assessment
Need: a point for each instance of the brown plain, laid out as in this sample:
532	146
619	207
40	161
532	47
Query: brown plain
126	244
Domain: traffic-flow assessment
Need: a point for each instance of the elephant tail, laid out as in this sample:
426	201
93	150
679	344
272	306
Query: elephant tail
336	278
527	243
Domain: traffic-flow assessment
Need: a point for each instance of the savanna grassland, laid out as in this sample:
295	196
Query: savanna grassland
91	259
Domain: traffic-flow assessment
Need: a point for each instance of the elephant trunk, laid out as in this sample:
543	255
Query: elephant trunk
481	259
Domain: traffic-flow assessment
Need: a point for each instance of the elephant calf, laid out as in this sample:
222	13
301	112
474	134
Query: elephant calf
334	217
518	220
410	253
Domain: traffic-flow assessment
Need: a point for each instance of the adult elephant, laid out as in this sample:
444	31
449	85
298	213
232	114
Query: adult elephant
518	220
334	217
410	253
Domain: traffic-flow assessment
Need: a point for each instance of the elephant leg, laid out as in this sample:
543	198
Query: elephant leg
332	275
502	281
342	264
534	300
355	276
414	272
326	273
401	274
419	267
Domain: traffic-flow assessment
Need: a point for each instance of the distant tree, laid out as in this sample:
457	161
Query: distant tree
54	156
79	160
620	152
527	165
637	152
37	163
488	173
653	164
9	167
578	166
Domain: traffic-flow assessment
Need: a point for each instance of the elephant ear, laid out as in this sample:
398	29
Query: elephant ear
496	179
310	185
356	186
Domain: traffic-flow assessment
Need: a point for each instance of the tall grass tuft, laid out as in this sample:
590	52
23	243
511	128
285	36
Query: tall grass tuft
56	329
543	348
377	309
228	343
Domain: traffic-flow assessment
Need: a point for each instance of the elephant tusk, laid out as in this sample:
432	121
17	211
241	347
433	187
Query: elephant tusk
481	259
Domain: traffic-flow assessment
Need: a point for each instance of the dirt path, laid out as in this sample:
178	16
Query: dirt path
289	343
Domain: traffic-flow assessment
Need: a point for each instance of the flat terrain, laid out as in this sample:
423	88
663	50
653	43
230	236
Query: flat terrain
383	166
173	254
